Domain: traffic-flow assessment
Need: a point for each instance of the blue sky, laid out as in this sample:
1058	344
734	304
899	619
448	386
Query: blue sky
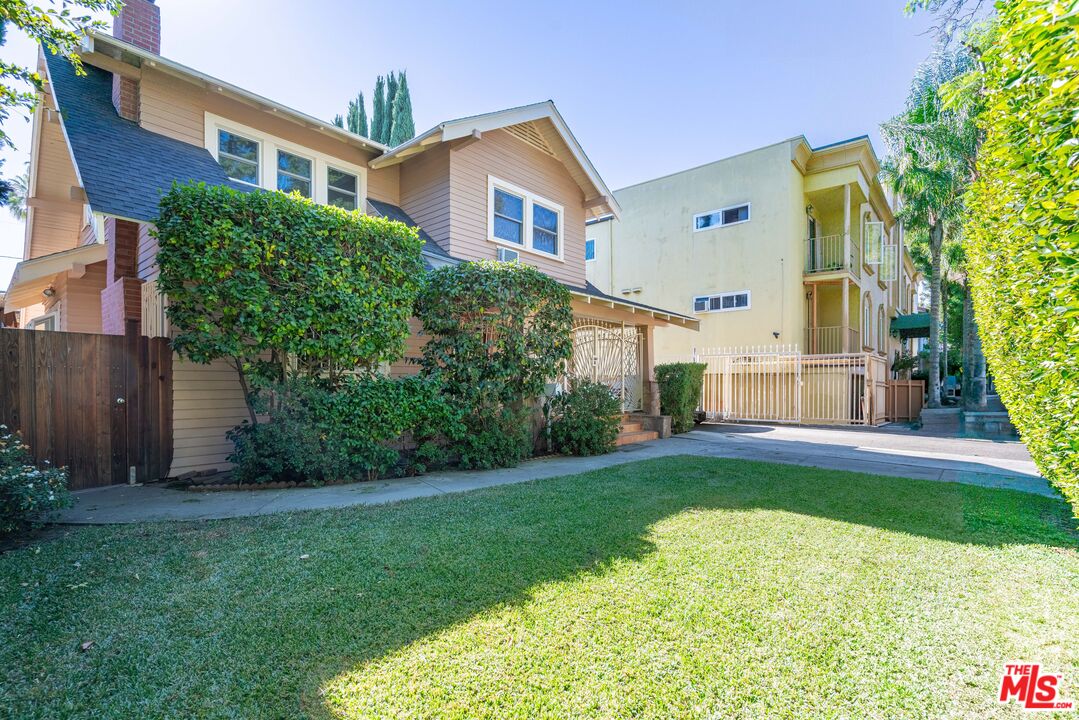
648	88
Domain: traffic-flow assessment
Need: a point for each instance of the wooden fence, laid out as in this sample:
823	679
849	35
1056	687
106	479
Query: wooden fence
904	400
101	405
780	384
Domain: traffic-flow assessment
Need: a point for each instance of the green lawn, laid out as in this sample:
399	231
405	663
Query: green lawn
679	587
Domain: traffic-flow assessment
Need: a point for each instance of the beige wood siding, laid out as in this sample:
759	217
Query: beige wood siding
384	184
207	402
425	192
82	301
507	158
171	106
58	221
146	257
413	349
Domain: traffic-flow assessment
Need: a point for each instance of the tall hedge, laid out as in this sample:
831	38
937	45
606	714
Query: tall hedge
1021	230
680	392
255	273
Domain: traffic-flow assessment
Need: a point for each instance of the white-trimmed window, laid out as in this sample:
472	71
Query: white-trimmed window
589	249
731	215
293	173
722	302
256	158
238	156
341	188
524	220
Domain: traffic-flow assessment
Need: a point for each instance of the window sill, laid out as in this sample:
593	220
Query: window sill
530	251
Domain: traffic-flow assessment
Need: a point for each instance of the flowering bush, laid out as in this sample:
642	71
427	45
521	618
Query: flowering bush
26	492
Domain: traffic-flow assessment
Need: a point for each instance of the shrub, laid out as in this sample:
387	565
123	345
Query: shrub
680	392
1022	229
585	419
318	432
498	332
281	284
26	491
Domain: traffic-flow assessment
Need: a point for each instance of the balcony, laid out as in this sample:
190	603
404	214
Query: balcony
829	340
829	254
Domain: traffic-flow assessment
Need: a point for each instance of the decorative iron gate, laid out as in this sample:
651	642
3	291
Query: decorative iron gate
609	353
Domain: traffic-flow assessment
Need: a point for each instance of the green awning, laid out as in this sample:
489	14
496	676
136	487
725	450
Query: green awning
915	325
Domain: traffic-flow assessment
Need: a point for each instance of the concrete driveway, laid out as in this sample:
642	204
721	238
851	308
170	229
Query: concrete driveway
884	451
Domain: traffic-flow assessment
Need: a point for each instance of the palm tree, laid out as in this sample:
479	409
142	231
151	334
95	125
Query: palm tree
930	163
16	199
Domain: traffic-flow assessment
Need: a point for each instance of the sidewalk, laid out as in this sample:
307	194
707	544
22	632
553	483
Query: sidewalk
965	461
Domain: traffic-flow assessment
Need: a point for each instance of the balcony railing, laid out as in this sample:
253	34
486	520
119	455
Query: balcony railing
826	254
829	340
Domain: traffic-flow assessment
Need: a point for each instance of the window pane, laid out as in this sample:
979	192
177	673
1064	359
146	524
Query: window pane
544	241
287	183
714	303
341	180
239	169
508	229
287	162
341	199
589	249
237	146
707	221
510	206
741	300
728	302
544	218
700	304
738	214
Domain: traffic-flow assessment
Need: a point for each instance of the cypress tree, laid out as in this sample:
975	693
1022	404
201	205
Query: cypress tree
391	95
378	113
338	121
404	128
357	116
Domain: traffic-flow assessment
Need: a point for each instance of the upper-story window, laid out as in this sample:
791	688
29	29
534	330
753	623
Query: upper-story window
523	219
239	156
722	302
254	157
341	188
293	173
722	217
589	249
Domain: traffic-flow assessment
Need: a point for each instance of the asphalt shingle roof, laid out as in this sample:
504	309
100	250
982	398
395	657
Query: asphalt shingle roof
125	169
392	212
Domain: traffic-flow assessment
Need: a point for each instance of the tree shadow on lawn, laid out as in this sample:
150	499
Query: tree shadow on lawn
258	614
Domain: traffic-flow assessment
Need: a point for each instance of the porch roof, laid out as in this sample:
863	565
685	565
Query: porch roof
914	325
33	276
593	295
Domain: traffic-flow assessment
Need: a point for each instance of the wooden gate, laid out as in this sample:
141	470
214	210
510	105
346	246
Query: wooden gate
100	405
904	402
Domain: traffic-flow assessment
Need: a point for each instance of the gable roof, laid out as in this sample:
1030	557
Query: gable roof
580	167
124	168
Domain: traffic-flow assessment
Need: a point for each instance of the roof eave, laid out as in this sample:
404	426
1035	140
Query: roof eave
92	41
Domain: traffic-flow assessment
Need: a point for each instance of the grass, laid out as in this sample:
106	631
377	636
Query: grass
678	587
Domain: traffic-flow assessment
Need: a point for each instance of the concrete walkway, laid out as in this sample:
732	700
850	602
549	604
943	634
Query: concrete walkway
895	452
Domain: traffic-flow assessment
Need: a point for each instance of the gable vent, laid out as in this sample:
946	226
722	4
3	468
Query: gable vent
529	133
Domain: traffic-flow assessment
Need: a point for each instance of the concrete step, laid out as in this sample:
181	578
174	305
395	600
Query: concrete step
628	438
630	427
940	419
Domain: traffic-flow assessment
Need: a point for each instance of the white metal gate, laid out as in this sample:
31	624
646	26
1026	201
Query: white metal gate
779	384
610	353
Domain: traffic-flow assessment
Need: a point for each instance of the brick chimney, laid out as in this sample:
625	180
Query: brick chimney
139	24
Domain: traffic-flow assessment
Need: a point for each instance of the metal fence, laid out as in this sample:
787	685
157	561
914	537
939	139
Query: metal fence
780	384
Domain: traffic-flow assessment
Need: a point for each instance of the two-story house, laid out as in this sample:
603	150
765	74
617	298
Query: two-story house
510	185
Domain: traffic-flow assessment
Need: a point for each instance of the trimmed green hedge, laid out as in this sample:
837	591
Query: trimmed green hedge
586	419
1021	230
680	392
